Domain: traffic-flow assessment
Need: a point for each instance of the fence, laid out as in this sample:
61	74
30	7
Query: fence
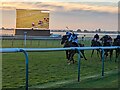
34	41
25	50
31	43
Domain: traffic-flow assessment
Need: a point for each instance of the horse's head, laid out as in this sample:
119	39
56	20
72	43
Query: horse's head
64	39
116	42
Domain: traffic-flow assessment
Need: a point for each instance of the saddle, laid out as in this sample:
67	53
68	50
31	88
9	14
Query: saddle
76	44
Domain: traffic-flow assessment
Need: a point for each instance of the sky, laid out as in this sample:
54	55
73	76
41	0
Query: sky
58	0
89	15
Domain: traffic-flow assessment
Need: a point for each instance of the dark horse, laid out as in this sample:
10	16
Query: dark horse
117	43
107	41
71	53
95	43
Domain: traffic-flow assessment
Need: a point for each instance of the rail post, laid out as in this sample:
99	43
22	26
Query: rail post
103	62
26	63
79	59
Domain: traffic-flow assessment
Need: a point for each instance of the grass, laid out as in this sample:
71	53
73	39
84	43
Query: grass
47	67
109	81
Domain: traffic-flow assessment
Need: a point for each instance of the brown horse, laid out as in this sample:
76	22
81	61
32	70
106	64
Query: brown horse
117	51
107	41
70	53
95	43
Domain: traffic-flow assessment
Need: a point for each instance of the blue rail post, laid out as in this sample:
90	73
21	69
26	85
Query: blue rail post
26	62
102	62
79	58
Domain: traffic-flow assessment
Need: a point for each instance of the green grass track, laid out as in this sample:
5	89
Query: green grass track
51	67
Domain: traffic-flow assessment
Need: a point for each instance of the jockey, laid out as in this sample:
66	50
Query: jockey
96	37
33	24
40	22
109	39
74	39
68	34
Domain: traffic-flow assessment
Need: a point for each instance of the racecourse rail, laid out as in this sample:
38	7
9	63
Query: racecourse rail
25	50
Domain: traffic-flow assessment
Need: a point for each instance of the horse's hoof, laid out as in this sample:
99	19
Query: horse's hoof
75	61
81	56
69	63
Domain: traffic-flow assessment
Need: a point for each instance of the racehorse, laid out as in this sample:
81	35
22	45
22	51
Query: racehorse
70	53
107	41
117	43
95	43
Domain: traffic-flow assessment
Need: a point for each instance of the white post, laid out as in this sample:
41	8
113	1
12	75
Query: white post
25	34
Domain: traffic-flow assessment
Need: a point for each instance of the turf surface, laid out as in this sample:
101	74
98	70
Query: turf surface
49	67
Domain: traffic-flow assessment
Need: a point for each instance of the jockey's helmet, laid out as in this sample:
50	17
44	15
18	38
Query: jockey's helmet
68	33
118	36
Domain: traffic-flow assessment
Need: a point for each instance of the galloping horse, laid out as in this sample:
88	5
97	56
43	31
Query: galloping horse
117	43
107	41
71	53
95	43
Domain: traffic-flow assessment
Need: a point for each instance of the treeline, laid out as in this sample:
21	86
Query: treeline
87	31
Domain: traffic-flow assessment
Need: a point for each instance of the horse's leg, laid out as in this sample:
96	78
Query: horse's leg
71	56
111	53
117	54
92	53
67	54
98	52
101	55
72	59
106	53
82	52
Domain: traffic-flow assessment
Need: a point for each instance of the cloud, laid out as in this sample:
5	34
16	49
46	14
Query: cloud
59	1
83	6
62	6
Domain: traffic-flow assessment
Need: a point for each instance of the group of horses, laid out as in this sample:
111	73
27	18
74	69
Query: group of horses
94	43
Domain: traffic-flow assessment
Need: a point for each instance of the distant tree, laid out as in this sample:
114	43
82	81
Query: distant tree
79	30
64	30
3	28
99	30
96	30
85	30
71	30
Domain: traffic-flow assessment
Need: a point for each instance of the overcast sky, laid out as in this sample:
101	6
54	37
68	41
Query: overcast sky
83	15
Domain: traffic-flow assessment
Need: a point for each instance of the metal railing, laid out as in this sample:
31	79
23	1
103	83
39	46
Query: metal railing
25	50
